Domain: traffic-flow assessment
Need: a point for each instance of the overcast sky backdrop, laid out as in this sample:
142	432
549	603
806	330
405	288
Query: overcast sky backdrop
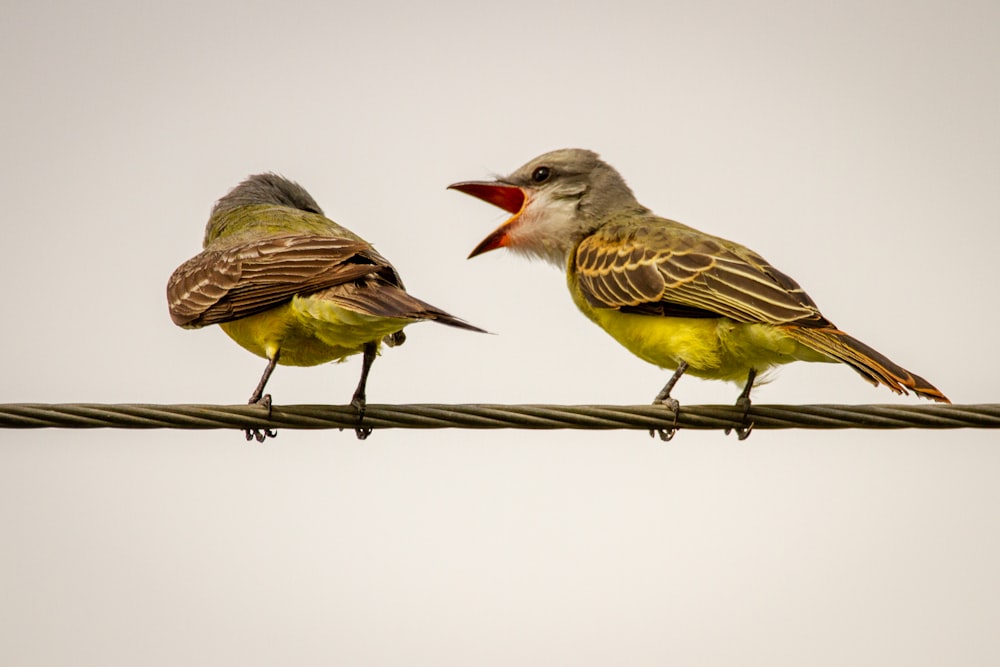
854	144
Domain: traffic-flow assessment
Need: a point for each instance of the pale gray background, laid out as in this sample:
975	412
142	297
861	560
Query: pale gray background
854	144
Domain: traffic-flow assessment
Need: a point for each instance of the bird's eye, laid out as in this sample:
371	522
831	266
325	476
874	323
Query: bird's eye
541	174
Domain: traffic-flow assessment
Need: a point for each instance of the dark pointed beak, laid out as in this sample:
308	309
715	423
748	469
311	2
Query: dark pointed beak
510	198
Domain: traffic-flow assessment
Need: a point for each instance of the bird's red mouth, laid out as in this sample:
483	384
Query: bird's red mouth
508	197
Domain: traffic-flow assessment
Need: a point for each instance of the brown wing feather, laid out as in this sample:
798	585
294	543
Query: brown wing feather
227	284
631	266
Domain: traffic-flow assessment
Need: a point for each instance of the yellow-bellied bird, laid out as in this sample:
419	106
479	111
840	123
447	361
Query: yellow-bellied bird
292	286
674	296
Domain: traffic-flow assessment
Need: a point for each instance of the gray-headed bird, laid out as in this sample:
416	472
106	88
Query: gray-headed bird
292	286
672	295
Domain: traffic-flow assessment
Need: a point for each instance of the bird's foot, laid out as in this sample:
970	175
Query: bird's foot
260	435
667	434
359	404
743	430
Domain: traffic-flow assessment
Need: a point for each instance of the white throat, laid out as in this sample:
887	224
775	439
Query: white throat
547	229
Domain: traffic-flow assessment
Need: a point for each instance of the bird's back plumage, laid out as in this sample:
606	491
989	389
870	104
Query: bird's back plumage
270	249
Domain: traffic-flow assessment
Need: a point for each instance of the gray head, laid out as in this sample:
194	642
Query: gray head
557	199
578	175
229	220
268	189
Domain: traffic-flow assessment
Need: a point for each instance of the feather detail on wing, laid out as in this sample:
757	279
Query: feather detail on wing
666	268
229	283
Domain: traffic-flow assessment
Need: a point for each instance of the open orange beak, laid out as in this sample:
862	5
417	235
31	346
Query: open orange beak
508	197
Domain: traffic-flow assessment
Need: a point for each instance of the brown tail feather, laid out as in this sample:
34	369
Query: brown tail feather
872	366
384	300
444	318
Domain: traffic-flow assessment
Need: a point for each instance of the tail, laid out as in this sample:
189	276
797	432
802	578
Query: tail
872	366
445	318
411	306
382	300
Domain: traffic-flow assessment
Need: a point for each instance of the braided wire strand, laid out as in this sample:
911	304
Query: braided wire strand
494	416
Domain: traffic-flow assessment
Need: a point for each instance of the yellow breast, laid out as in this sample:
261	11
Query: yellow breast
715	348
309	331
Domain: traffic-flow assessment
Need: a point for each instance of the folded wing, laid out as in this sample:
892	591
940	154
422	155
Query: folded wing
227	284
666	268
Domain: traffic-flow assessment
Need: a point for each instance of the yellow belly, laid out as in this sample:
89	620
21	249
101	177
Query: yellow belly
308	331
714	348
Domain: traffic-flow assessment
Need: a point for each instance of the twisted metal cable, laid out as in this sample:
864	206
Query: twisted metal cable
492	416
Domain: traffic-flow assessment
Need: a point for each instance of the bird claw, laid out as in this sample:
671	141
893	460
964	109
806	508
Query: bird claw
260	435
743	430
667	434
359	404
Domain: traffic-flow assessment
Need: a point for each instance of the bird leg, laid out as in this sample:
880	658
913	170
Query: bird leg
358	400
263	400
663	398
743	431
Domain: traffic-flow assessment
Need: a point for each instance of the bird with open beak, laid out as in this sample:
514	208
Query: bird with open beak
672	295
